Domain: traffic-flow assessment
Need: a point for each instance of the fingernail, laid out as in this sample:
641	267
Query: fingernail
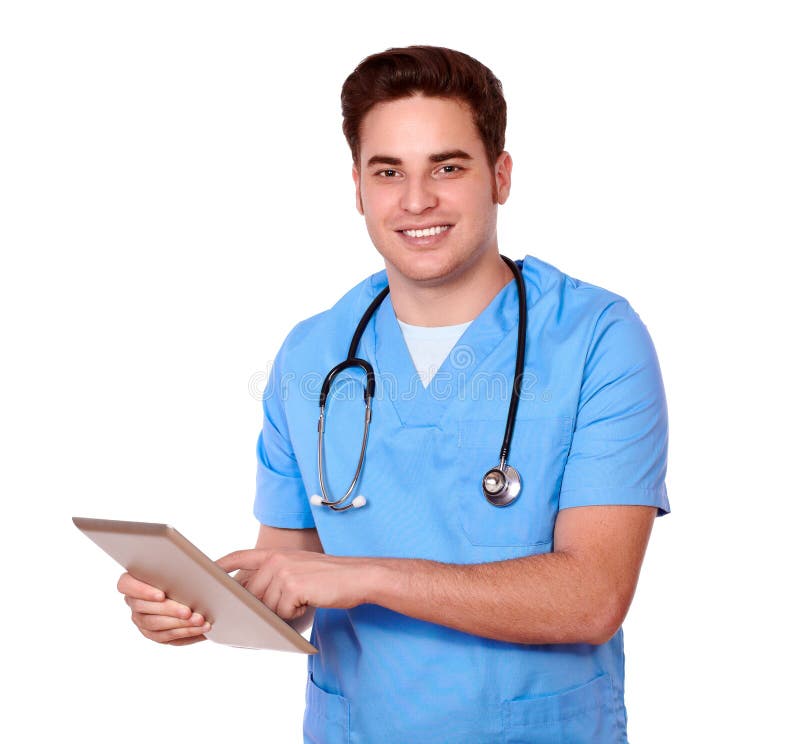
206	627
196	618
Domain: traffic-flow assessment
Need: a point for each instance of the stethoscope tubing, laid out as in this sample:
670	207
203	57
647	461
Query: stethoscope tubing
519	367
503	477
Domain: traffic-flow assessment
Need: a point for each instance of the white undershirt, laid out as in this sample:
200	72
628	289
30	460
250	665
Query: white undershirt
429	347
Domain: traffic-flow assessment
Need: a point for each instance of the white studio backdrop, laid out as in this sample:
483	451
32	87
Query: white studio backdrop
175	196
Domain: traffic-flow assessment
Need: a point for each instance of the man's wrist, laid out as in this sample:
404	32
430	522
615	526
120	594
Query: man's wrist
383	578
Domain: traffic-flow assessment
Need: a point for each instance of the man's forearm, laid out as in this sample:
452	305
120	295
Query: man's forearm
547	598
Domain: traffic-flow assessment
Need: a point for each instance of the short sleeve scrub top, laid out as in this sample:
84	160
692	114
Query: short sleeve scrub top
591	429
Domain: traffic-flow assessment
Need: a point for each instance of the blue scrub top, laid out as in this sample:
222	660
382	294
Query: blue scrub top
591	429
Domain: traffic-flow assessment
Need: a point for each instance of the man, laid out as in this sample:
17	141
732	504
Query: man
439	616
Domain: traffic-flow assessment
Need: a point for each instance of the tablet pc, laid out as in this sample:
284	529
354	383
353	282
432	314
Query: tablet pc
159	555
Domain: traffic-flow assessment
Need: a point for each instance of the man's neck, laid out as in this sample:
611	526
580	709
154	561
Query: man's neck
459	299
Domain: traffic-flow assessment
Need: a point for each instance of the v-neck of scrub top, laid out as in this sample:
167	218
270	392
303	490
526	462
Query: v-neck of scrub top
429	346
415	404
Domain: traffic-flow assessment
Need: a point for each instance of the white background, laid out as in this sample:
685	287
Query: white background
175	196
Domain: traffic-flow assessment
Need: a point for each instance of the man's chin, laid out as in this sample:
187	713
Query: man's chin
424	270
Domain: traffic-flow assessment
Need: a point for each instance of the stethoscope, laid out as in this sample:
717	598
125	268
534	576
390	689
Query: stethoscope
501	485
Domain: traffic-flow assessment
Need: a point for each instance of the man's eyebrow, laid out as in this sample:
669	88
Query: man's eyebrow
450	155
385	159
438	157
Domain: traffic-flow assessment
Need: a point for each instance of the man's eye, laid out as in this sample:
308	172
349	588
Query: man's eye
450	168
387	173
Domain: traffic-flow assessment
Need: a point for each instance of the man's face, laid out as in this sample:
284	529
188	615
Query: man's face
423	166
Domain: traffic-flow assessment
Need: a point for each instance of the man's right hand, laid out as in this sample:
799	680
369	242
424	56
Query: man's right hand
158	618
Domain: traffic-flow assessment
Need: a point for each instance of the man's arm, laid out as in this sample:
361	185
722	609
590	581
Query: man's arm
579	593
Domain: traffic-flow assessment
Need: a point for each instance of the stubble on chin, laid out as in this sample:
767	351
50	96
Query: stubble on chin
425	274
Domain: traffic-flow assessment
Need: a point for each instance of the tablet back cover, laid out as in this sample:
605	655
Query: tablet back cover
159	555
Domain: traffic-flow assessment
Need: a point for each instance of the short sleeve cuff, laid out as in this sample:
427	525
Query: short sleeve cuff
281	501
287	520
616	496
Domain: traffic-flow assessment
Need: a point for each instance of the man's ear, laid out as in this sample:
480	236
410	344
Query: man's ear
502	176
357	182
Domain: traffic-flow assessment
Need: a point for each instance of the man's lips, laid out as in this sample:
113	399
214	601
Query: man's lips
423	225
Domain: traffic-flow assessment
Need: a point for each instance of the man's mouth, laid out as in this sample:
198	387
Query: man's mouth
426	232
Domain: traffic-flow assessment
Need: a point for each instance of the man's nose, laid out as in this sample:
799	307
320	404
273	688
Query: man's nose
418	195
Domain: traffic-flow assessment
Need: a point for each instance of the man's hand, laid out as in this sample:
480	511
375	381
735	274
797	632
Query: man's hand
289	581
158	618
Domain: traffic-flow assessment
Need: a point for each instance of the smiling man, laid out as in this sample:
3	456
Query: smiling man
457	594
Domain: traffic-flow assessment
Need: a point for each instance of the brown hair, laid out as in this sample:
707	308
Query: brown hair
432	71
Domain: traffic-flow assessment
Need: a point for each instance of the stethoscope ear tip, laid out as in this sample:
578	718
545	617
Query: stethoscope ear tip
357	502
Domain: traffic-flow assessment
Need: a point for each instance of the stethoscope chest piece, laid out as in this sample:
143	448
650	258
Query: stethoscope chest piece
501	485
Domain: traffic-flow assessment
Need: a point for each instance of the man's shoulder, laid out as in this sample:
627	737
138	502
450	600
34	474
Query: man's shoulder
345	313
549	281
578	310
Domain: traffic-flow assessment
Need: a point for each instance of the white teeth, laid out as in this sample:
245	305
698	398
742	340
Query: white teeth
427	232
